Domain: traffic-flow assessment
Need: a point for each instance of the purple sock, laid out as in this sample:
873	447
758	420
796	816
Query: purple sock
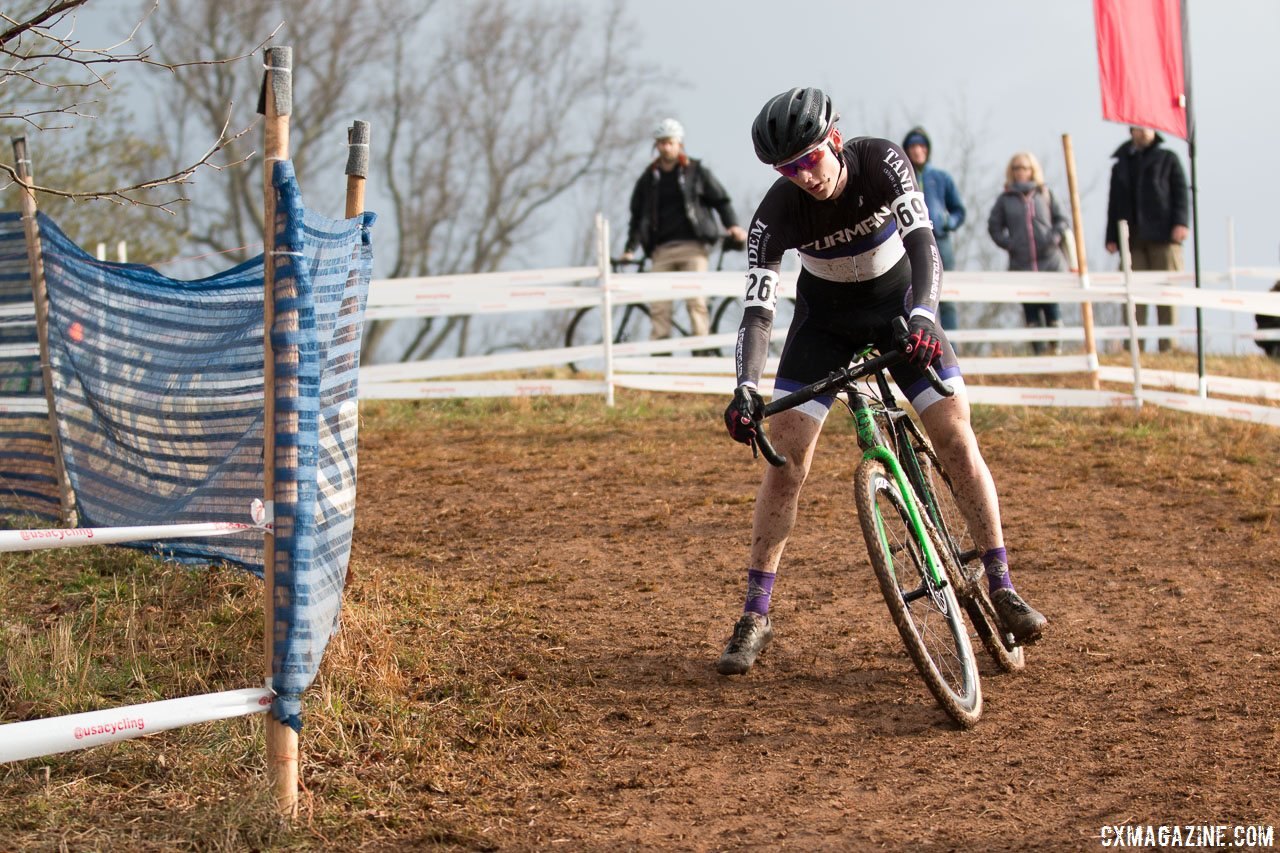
996	565
759	590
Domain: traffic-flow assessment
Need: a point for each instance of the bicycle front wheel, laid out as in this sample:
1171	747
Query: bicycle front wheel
938	494
927	615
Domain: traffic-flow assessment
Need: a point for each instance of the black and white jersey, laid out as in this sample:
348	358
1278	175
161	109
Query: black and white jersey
856	238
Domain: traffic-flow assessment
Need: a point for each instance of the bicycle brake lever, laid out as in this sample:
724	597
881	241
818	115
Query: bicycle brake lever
937	383
772	456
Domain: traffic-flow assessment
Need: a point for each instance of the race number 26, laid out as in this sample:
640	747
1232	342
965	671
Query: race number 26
762	289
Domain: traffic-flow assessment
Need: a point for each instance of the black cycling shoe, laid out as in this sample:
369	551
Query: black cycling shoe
750	637
1020	619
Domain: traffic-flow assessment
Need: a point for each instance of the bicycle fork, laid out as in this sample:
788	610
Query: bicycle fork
872	440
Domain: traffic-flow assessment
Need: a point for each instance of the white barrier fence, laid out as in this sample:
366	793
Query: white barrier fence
35	738
632	364
41	539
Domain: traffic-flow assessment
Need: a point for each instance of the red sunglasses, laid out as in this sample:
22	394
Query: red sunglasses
804	162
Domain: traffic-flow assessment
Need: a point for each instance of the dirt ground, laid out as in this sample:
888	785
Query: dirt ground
1151	700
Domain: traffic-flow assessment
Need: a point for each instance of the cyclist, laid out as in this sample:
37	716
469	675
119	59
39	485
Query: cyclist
858	218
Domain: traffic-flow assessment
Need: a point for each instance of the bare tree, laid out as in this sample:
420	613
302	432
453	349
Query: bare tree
490	117
50	80
113	148
522	104
345	41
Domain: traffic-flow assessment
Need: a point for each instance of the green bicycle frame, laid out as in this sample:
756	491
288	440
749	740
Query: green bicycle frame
870	438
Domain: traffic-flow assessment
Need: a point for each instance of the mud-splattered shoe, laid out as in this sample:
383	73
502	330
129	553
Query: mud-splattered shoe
750	637
1020	619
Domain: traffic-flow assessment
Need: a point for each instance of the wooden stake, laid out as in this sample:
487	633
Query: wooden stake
282	741
1082	260
357	173
40	296
357	166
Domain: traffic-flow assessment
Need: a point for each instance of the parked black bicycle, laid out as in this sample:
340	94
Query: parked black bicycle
632	322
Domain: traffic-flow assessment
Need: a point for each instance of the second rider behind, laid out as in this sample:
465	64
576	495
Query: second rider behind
859	221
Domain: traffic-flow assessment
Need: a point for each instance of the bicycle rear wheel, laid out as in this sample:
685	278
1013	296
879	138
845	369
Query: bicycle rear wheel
971	586
585	328
728	317
927	616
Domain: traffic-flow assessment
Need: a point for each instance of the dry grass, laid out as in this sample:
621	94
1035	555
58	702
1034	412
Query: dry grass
440	697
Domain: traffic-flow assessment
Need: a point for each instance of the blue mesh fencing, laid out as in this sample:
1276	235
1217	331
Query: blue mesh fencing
28	477
159	394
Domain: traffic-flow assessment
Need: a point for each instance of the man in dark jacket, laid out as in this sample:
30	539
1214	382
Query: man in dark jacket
1149	191
1269	323
672	220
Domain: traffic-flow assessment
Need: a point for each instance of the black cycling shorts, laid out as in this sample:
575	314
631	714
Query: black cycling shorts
834	321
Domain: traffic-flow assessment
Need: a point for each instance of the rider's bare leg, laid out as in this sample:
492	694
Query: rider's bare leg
947	423
794	434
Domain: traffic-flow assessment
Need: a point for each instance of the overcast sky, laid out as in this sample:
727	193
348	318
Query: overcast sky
1012	74
1019	73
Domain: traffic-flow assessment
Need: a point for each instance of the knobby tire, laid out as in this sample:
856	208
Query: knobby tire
971	583
931	625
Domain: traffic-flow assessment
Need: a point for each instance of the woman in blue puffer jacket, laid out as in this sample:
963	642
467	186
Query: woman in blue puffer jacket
1027	222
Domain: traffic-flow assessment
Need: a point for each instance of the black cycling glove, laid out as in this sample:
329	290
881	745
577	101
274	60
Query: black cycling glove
923	344
742	417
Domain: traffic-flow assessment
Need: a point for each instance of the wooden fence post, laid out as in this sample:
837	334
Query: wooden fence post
277	91
40	296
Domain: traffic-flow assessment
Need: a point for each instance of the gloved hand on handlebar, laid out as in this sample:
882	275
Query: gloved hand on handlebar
923	344
742	417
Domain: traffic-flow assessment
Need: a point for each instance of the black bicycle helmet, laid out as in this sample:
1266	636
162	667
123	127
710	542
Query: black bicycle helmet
791	123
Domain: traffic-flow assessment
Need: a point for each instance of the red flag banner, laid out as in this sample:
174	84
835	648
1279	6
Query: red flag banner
1140	63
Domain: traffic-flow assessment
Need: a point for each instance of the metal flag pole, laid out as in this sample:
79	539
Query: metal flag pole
1195	188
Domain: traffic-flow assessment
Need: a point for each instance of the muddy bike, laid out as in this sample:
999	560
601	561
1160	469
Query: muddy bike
914	534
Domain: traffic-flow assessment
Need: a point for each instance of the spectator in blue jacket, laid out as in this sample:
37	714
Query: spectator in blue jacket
946	208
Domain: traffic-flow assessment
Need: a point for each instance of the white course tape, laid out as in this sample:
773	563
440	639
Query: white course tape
35	738
680	364
1267	415
659	286
543	290
575	287
1272	273
479	388
19	350
686	384
23	406
1228	385
408	291
1063	397
443	367
44	539
485	302
975	366
440	367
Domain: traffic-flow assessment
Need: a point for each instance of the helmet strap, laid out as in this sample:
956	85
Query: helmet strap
837	150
